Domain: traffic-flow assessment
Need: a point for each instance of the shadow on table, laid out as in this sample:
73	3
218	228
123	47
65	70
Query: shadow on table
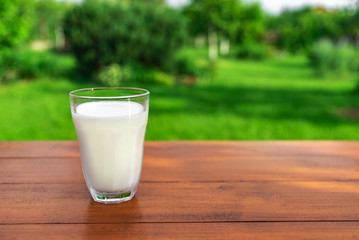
112	221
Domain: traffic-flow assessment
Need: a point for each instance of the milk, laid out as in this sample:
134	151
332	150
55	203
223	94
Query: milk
111	136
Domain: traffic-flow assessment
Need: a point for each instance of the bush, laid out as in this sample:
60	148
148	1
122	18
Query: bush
320	56
158	77
123	32
29	64
344	58
188	64
251	50
115	75
327	58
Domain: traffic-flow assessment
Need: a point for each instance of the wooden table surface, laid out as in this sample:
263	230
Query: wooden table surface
188	190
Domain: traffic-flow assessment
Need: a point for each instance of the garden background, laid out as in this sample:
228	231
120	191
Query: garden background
216	69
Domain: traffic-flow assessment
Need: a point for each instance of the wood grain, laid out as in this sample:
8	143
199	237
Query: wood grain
200	163
38	149
184	202
183	149
194	231
188	190
292	168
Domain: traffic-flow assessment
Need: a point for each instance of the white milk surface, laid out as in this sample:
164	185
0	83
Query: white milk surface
111	136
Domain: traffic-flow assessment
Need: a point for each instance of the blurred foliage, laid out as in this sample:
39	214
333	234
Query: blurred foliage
296	30
49	16
329	59
251	50
119	41
219	15
251	21
140	43
16	22
29	64
105	32
240	23
116	75
351	24
189	64
274	99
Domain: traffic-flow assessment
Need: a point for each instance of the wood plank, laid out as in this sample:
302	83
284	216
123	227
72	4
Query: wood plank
184	202
190	190
207	149
38	149
208	231
183	149
41	170
191	169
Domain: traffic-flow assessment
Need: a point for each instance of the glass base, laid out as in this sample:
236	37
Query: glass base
108	198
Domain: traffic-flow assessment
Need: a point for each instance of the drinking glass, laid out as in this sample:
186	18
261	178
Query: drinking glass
110	125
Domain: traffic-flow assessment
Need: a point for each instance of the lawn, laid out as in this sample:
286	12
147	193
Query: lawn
273	99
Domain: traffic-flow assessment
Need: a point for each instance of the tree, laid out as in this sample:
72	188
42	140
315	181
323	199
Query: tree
298	29
103	32
50	14
213	18
349	24
250	25
229	19
16	22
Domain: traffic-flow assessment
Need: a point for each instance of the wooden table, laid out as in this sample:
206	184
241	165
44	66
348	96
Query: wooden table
188	190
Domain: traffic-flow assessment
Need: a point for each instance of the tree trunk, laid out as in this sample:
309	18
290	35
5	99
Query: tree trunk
212	44
44	33
59	38
224	46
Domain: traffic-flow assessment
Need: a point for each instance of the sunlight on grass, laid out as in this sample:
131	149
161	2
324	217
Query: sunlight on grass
273	99
279	73
39	110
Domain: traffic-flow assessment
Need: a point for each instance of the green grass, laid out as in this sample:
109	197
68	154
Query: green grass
274	99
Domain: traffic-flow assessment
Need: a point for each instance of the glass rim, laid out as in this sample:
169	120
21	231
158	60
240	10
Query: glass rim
145	93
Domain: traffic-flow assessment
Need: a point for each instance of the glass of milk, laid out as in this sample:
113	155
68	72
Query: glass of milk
110	125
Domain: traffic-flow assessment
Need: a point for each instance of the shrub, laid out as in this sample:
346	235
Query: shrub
188	64
251	50
344	56
327	58
354	63
28	64
320	56
158	77
123	32
115	75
